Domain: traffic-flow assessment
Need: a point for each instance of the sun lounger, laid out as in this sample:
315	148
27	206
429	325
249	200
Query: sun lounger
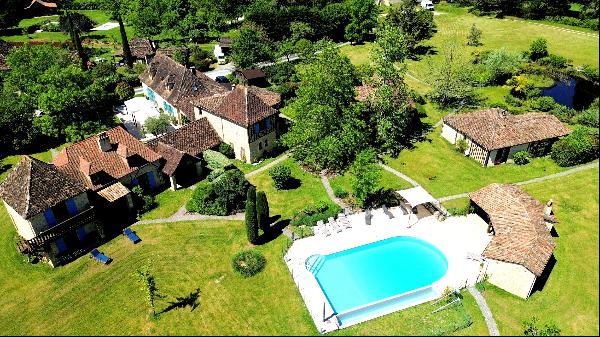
323	228
387	211
347	211
131	235
336	227
344	221
96	254
404	210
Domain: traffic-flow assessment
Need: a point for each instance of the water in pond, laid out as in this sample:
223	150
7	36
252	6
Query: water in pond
573	93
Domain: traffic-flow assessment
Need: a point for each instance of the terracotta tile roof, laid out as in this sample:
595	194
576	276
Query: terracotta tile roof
34	186
242	106
363	92
171	155
521	235
192	138
177	84
250	74
114	192
495	128
269	97
140	48
85	157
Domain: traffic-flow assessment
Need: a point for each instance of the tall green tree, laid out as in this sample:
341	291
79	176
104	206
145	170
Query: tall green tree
251	47
451	79
415	22
16	119
118	9
251	217
363	18
74	32
393	114
365	175
262	210
329	129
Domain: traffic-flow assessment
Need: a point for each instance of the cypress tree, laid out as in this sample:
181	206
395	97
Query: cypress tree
262	210
125	43
251	219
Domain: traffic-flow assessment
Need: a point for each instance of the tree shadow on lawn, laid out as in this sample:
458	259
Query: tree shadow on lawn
190	300
4	168
292	184
274	232
419	51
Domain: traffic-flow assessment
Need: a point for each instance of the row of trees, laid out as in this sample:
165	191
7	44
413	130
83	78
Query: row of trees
533	9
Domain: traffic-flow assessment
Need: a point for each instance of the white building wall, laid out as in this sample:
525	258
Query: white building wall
449	133
230	133
511	277
159	103
23	227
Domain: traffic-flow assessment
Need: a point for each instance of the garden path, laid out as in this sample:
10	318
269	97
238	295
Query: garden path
485	310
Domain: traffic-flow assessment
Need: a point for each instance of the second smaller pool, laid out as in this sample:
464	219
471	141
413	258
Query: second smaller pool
368	274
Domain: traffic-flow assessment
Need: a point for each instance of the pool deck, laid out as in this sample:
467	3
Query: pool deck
455	237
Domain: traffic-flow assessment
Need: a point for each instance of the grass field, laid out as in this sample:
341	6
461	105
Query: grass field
435	164
169	202
570	296
387	181
286	202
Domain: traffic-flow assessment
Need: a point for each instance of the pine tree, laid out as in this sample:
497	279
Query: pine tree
251	219
262	210
474	36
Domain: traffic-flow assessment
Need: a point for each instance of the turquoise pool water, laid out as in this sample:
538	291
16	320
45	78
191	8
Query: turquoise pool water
366	275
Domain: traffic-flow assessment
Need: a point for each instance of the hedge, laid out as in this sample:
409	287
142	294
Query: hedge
223	196
216	160
521	157
581	146
312	213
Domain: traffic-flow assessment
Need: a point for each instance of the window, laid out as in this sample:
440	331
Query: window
257	128
259	145
268	123
266	143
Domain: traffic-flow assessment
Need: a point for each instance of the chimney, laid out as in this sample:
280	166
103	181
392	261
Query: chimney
232	86
548	210
104	142
192	70
170	85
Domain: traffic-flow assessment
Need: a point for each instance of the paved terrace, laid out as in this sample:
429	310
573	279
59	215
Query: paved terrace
455	237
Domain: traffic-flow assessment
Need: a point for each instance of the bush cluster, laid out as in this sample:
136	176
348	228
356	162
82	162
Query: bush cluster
581	146
248	263
144	201
226	150
339	192
281	175
521	158
571	21
216	160
312	213
225	195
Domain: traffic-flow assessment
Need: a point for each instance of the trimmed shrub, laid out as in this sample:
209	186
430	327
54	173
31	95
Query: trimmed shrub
281	175
216	160
538	49
144	201
521	158
554	61
543	103
204	200
312	213
339	192
589	117
214	174
251	217
223	196
461	146
248	263
581	146
262	211
226	150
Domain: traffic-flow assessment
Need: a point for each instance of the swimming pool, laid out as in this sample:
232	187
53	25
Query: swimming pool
378	278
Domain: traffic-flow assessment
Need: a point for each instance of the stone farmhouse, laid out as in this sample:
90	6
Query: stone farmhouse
493	136
244	117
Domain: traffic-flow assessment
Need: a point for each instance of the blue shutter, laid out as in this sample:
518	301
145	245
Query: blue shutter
268	123
81	233
61	245
71	206
256	128
50	219
151	180
135	182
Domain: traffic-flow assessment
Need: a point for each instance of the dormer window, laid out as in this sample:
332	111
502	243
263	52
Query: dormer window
170	85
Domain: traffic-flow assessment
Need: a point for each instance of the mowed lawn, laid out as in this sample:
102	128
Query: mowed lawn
435	164
570	297
286	202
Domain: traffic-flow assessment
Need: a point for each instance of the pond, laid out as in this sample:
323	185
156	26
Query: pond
574	93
